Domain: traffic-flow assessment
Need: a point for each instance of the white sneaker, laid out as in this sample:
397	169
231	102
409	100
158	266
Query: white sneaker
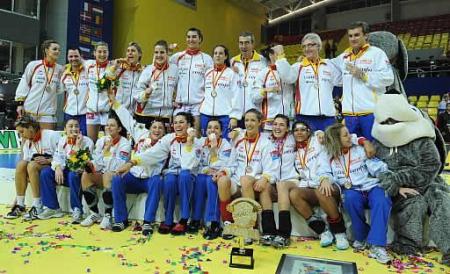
33	213
380	254
77	216
359	246
106	222
91	219
49	213
341	241
326	238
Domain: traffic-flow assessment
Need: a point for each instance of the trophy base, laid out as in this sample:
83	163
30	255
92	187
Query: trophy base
242	258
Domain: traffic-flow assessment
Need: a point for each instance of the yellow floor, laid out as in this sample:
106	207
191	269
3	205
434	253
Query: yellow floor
56	246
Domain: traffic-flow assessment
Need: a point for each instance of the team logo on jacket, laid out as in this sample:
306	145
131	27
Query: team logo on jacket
124	155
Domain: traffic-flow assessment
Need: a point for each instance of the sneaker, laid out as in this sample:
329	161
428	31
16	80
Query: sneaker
280	242
16	212
380	254
227	236
164	229
147	229
118	227
91	219
212	233
179	229
326	238
77	216
266	240
341	241
248	241
106	222
193	227
33	213
359	246
49	213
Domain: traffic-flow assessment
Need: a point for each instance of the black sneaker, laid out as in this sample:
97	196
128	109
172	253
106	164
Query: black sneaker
147	229
266	239
212	233
280	242
227	236
120	226
33	213
193	227
16	212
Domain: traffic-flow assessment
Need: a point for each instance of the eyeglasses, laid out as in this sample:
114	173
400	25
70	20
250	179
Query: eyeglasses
311	45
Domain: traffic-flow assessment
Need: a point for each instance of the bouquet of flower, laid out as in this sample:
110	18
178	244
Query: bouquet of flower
78	160
107	82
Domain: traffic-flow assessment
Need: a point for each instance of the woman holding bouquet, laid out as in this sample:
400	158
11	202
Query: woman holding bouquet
137	179
181	151
71	157
111	151
127	71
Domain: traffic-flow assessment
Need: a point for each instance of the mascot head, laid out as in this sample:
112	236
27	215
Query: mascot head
397	122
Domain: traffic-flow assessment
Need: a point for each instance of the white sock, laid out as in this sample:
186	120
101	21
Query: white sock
20	200
37	202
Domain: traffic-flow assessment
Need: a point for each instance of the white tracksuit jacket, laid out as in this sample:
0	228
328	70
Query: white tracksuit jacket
359	96
363	171
119	154
46	142
97	101
247	75
273	103
314	90
191	76
227	88
38	90
180	155
141	137
164	84
209	165
76	89
64	150
127	88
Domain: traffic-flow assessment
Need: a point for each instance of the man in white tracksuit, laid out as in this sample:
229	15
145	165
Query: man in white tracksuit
366	72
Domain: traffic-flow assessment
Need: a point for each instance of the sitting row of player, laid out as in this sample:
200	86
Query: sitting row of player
219	87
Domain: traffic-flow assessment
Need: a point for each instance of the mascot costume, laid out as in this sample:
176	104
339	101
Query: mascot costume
406	140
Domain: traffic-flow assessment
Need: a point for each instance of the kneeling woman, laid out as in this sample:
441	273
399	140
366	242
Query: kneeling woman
60	174
214	156
182	152
137	179
348	166
111	151
305	193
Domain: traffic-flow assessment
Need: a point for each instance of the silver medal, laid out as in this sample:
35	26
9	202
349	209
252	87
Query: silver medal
348	185
214	93
76	91
48	88
245	83
248	169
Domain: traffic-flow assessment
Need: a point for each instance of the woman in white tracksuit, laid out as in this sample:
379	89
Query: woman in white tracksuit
137	179
97	102
39	85
182	153
156	88
127	71
111	151
222	90
347	165
271	94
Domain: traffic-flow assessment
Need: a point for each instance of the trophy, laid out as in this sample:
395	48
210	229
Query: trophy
245	213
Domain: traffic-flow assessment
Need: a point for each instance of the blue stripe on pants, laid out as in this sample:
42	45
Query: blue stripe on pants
48	188
212	202
355	202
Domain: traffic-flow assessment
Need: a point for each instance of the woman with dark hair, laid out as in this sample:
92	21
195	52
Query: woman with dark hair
252	170
214	156
111	151
59	174
221	92
347	165
137	179
181	150
37	89
271	94
38	147
156	88
127	71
